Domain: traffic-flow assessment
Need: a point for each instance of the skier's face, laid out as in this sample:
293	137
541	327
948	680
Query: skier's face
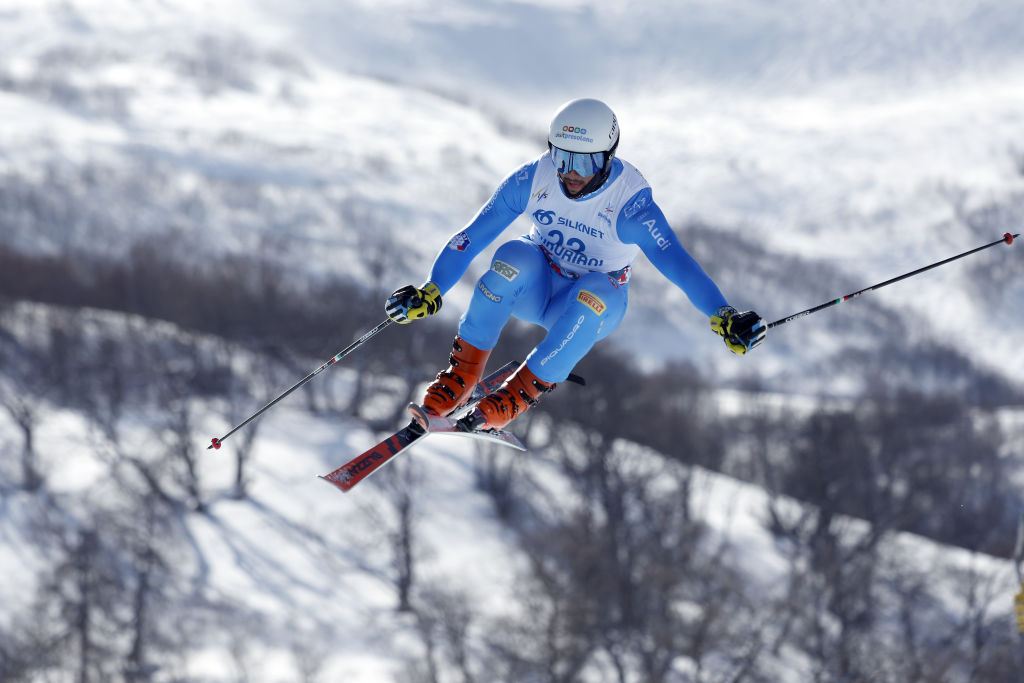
571	167
574	182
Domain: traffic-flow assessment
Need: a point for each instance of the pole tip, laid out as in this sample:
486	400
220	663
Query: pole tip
215	444
1008	238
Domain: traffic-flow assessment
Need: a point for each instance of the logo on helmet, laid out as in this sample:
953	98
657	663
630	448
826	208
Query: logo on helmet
574	133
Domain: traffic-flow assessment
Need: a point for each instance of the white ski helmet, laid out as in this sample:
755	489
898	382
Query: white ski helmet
583	136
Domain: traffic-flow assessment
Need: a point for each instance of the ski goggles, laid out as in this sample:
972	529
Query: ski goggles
584	163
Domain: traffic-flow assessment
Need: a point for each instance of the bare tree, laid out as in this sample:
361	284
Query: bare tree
82	592
180	448
29	364
498	473
398	485
24	410
444	621
609	571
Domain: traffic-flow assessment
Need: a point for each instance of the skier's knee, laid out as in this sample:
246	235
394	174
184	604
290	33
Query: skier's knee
513	265
513	256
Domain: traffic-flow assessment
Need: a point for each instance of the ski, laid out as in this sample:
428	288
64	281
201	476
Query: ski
362	466
432	424
365	464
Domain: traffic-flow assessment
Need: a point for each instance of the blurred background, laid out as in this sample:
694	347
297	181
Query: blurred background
200	202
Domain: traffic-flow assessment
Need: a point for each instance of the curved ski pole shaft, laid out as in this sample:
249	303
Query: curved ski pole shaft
216	443
1006	238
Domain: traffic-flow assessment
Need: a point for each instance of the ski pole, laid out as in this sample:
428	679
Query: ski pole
216	443
1007	238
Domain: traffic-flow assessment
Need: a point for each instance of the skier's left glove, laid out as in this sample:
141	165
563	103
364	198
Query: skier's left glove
412	303
741	331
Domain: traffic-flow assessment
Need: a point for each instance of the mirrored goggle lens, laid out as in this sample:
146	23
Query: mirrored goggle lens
584	163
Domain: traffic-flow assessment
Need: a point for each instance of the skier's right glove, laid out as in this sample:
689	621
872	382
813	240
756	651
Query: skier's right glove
741	331
412	303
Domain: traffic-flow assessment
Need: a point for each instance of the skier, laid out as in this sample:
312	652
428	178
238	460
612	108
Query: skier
592	214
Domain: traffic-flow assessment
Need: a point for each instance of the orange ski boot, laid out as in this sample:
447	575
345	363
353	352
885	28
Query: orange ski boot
453	387
519	393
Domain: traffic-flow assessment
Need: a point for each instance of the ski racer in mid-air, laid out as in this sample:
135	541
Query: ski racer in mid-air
592	214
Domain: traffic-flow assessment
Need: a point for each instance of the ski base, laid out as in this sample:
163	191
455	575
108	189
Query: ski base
433	424
365	464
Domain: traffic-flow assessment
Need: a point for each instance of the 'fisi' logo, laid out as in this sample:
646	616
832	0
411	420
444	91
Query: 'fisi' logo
459	242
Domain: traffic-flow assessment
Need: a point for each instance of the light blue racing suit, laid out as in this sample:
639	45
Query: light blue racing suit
571	273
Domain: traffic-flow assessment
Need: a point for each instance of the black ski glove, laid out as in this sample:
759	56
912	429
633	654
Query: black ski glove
740	331
412	303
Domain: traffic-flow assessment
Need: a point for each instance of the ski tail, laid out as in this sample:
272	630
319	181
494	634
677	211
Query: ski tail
365	464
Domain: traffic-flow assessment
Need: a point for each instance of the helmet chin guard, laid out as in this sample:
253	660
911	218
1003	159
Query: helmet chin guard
585	126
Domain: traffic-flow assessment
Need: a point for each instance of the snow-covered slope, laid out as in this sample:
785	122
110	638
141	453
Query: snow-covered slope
305	576
868	140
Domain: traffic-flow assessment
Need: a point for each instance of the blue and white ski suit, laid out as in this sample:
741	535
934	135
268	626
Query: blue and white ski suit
571	273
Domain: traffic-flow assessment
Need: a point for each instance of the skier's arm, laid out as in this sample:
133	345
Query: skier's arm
643	223
505	205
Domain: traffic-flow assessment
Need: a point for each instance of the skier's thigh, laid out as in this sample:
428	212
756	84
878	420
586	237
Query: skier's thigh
595	297
599	294
590	311
520	272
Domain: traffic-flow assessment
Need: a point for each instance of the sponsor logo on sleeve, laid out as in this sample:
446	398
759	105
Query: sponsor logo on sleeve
636	207
488	293
659	237
591	301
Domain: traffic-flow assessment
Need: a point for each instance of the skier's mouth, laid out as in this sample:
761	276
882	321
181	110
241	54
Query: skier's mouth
573	184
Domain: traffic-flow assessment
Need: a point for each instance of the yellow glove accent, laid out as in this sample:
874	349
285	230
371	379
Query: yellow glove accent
720	320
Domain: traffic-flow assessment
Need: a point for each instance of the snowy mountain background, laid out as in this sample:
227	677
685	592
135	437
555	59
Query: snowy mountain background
312	157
